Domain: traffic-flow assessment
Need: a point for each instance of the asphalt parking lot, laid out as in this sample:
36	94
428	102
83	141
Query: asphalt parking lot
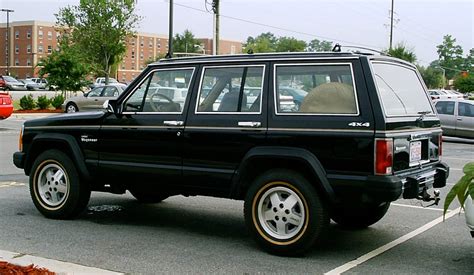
207	235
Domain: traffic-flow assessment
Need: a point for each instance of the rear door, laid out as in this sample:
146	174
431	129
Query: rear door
227	118
446	115
465	119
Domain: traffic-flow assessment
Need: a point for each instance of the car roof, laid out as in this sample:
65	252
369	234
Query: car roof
456	99
274	57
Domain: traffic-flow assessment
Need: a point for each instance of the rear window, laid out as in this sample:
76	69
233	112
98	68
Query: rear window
400	90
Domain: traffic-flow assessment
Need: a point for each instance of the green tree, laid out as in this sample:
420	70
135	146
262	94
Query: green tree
432	76
100	29
316	45
465	84
403	52
264	43
290	44
185	43
67	69
450	56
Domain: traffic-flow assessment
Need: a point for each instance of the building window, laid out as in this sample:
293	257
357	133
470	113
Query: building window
141	56
123	66
28	49
17	34
28	62
40	34
50	49
28	75
28	34
133	54
17	49
40	48
58	35
17	62
50	35
232	49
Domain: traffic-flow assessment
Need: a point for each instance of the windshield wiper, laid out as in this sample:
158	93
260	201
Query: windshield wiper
422	115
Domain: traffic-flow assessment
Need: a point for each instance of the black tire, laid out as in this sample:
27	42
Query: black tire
44	186
145	197
298	236
70	107
359	217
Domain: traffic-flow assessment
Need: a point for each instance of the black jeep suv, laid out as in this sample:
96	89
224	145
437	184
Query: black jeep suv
301	138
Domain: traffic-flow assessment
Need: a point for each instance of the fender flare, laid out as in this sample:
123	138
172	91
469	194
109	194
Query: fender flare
286	153
68	140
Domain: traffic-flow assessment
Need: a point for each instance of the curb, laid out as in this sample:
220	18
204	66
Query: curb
58	267
32	115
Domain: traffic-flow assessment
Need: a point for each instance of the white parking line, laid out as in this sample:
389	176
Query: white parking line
53	265
418	207
10	184
458	158
347	266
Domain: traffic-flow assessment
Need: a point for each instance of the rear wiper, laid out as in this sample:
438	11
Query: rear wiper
422	115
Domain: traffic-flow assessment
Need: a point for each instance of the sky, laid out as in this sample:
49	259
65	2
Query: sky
420	24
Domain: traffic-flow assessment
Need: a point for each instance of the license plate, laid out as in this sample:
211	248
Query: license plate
415	151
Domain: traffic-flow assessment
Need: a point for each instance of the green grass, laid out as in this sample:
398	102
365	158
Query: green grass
16	105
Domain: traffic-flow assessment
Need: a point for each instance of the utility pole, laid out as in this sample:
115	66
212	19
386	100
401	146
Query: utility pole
8	40
170	32
215	40
391	26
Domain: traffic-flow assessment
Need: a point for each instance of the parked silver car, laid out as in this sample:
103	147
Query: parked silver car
457	117
92	100
12	84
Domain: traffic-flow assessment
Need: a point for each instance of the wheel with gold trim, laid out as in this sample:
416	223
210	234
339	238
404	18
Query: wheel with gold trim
284	212
55	186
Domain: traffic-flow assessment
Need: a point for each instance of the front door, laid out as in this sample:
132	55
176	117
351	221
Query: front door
143	145
465	120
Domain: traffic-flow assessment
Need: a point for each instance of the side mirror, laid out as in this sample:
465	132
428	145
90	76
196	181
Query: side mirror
110	106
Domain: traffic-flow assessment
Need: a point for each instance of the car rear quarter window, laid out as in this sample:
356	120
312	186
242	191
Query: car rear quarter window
466	109
400	89
233	89
445	107
315	89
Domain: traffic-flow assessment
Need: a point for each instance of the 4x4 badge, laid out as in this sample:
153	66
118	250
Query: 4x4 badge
359	124
85	138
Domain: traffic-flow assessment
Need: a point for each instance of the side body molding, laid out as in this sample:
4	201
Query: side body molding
299	155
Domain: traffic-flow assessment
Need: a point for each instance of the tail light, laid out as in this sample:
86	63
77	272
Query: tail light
440	145
383	156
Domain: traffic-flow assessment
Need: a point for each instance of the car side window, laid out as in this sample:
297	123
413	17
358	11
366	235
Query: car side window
163	91
110	92
445	108
465	109
95	92
315	89
231	90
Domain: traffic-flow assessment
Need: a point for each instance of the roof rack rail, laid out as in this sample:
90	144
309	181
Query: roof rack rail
338	47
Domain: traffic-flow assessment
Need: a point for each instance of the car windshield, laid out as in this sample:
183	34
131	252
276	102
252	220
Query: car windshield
400	89
10	79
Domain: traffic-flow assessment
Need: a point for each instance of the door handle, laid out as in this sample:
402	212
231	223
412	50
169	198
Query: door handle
459	119
252	124
173	123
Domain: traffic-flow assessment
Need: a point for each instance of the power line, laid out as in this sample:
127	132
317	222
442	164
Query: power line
279	28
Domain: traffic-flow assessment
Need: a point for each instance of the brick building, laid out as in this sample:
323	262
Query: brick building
32	40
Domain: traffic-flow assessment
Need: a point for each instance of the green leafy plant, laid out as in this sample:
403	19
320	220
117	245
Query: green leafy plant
27	102
57	101
43	102
463	188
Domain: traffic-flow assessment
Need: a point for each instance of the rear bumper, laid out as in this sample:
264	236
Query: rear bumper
393	187
5	111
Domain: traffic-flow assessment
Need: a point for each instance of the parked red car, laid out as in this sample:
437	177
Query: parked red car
6	105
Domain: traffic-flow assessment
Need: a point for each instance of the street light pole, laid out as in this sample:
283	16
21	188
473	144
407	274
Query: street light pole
8	39
170	33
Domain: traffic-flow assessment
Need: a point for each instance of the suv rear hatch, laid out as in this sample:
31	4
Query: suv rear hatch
409	144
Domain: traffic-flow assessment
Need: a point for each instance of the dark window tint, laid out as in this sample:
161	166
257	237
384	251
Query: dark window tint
231	89
315	89
466	109
445	108
163	91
